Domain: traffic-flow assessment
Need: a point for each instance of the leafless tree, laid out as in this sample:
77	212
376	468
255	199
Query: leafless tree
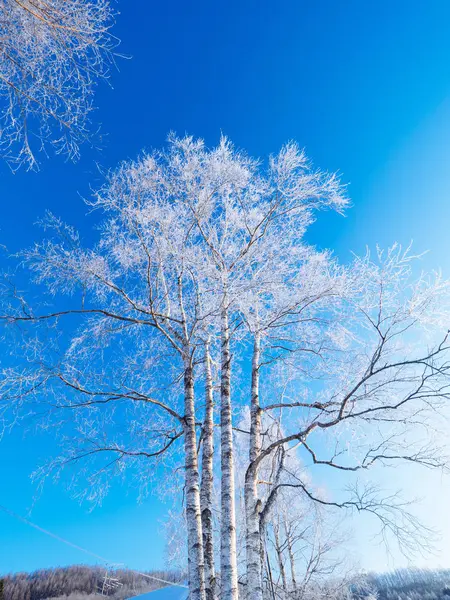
52	52
386	376
202	255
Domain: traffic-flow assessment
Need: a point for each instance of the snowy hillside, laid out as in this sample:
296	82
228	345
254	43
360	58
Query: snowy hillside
172	592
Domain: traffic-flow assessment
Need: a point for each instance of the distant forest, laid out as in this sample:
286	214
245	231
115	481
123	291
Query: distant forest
80	583
85	583
412	584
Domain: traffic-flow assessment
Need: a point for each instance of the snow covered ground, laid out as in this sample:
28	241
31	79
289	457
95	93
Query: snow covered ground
172	592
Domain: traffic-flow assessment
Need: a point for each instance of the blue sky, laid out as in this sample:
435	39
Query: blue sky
364	86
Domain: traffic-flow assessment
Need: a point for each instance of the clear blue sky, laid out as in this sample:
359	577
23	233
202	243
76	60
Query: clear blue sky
364	86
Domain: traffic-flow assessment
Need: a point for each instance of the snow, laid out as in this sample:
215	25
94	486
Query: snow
172	592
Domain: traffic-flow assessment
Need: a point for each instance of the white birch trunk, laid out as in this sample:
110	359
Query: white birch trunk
292	563
252	502
255	409
206	492
280	559
193	515
228	556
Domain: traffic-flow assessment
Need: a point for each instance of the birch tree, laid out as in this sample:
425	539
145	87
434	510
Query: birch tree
207	481
52	53
177	250
302	545
389	379
139	297
202	253
285	317
308	546
240	211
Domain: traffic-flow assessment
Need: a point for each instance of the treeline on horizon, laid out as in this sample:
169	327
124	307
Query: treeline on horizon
411	584
82	582
79	582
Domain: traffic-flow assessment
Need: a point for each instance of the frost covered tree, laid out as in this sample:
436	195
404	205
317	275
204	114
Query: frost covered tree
201	256
177	250
142	311
52	52
286	317
305	547
248	221
379	374
302	545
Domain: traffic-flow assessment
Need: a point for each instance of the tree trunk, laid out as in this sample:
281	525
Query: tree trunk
206	492
252	502
292	562
280	559
255	409
228	525
193	514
